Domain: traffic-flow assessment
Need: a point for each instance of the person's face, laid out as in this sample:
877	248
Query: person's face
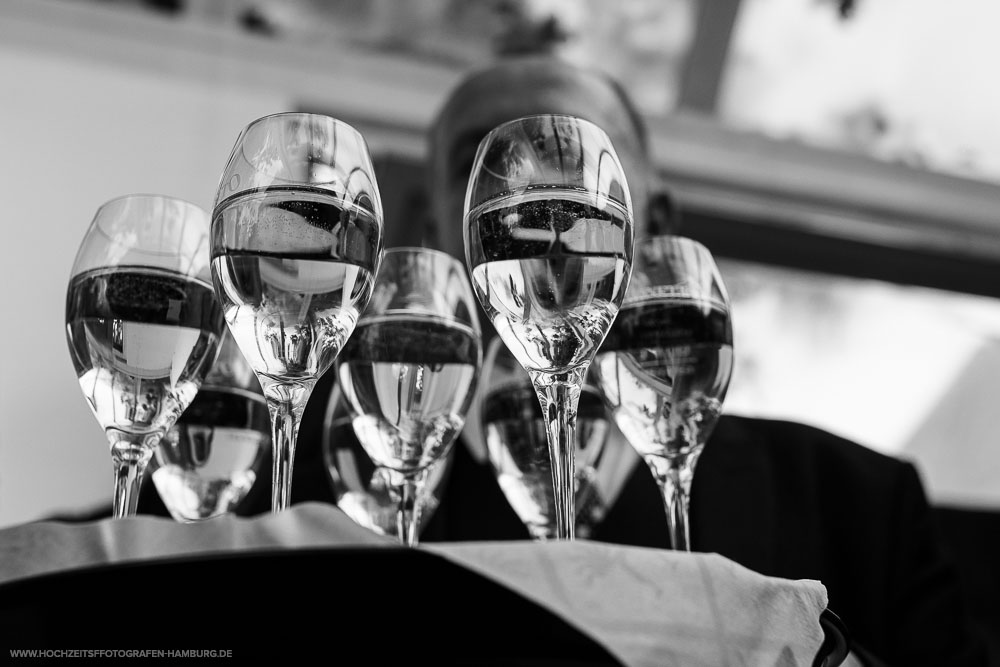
506	93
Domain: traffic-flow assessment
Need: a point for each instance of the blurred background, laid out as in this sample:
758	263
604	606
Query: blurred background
840	157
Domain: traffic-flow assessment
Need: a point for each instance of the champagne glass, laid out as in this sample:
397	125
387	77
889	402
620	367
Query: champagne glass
516	441
548	240
664	369
206	464
411	369
143	325
296	243
362	489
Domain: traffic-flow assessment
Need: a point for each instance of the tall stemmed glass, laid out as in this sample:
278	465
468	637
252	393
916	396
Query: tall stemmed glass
296	243
410	371
548	240
664	369
143	325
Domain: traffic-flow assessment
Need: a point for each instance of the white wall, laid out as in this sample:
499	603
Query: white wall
73	134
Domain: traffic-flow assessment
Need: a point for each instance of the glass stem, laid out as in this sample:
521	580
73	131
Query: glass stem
588	502
285	402
559	396
129	454
408	512
674	475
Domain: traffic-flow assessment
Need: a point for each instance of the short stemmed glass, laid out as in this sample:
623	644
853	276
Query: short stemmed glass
296	244
208	461
548	240
362	489
410	371
517	444
665	367
143	325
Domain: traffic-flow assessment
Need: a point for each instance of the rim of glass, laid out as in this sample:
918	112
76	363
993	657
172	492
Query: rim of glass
151	195
303	114
640	267
450	261
520	119
100	222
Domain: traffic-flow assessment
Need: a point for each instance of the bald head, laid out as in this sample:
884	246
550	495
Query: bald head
511	89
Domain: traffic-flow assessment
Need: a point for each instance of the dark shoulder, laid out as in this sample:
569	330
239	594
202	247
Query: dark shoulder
786	435
804	449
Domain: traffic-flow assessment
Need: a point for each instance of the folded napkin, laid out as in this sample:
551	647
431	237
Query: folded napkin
646	606
49	546
660	608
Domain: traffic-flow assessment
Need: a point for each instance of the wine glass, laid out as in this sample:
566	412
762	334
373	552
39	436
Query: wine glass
665	366
362	489
517	446
208	461
296	243
410	371
548	240
143	325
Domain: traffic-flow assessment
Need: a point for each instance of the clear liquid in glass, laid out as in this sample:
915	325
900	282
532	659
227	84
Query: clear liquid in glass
664	370
410	380
140	340
550	269
368	493
293	268
207	463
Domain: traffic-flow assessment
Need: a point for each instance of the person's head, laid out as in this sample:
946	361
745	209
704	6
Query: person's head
522	86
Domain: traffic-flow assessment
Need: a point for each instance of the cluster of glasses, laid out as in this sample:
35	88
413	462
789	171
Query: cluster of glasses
198	340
